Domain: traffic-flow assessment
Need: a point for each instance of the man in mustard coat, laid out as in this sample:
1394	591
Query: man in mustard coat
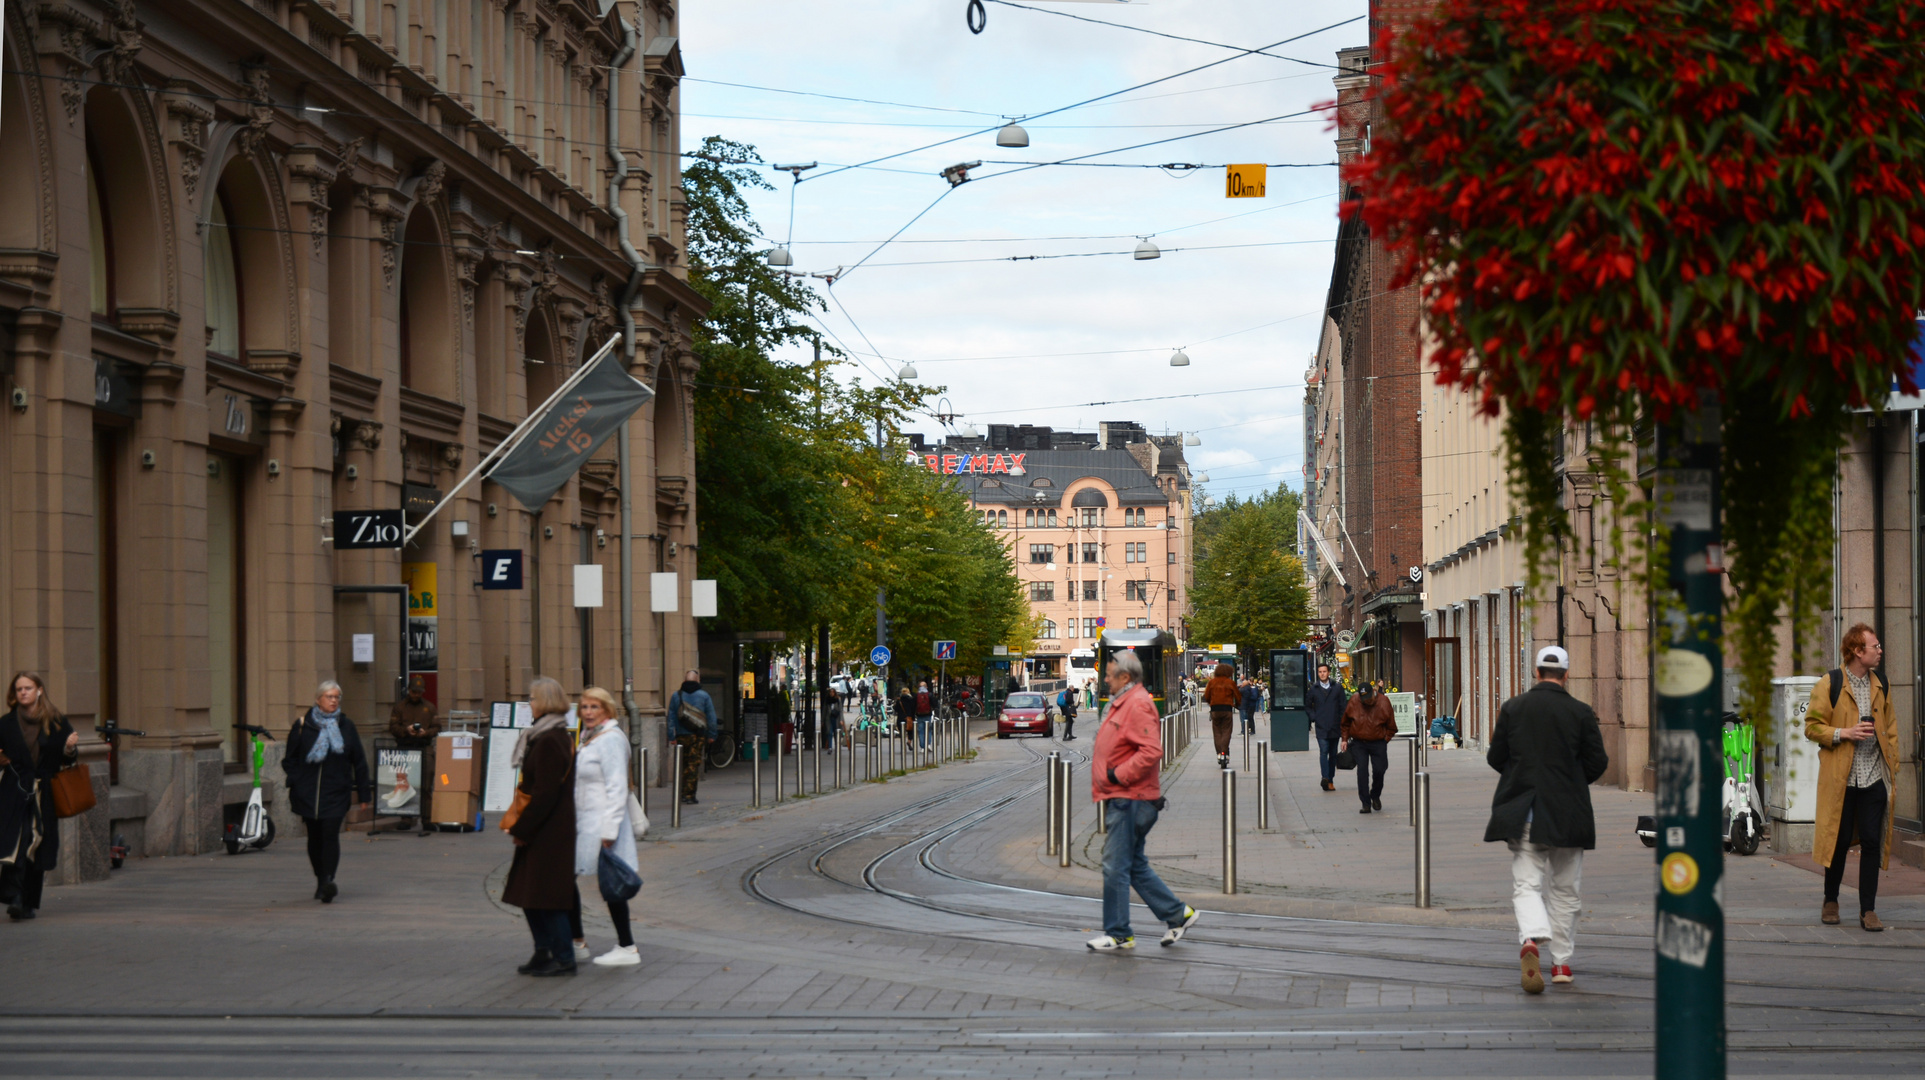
1851	720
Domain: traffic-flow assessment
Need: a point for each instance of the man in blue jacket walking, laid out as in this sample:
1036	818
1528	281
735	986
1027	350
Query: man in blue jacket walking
691	736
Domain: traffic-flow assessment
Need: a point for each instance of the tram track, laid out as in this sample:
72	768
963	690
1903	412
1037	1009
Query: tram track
926	847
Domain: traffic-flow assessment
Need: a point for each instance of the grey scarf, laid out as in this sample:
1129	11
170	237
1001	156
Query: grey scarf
327	734
546	723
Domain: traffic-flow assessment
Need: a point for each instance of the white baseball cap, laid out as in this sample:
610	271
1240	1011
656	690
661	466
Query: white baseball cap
1550	656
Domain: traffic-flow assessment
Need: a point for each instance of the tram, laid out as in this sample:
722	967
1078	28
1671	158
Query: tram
1162	665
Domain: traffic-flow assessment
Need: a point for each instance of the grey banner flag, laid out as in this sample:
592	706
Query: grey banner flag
570	432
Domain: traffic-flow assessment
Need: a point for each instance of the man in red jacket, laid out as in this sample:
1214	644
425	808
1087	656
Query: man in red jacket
1129	753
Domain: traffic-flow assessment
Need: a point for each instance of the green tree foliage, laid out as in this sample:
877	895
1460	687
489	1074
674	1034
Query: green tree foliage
1250	586
803	517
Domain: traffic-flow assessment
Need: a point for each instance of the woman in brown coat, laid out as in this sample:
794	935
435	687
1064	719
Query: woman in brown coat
1222	695
541	880
1857	736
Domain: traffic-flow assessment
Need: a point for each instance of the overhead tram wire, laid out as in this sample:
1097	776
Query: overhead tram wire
836	97
1086	101
1179	37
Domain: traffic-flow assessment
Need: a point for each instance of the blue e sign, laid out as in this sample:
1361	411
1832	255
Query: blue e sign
501	569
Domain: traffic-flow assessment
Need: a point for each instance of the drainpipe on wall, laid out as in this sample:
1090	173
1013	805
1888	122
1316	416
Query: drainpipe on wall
618	175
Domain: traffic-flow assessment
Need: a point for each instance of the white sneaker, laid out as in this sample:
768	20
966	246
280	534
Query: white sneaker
1175	933
1107	943
582	951
619	956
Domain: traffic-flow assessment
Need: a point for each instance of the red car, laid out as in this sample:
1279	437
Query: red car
1023	714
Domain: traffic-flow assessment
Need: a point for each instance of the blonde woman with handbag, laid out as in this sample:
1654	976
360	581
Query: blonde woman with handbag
607	817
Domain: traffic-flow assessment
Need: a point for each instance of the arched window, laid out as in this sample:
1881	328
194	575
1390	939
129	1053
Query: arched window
1049	628
1029	519
220	283
1002	519
102	269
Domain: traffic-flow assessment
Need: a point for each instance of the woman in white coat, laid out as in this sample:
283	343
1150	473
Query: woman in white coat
602	817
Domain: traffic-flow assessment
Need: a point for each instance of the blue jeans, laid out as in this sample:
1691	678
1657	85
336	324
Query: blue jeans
1326	754
1130	822
922	731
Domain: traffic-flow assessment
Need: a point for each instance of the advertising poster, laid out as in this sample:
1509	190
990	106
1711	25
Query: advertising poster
424	619
1404	707
397	774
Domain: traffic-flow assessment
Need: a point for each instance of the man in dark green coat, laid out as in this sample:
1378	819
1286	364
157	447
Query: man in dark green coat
1548	750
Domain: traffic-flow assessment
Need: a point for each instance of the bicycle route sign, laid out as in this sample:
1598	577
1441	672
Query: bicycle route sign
945	650
879	656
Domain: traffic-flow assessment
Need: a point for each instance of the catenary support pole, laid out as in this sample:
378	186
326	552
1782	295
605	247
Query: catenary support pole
1229	832
1423	839
1689	936
1415	768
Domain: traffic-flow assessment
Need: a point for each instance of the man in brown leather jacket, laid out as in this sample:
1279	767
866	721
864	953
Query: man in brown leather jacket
1368	726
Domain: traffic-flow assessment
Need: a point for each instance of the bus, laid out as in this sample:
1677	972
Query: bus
1081	673
1162	665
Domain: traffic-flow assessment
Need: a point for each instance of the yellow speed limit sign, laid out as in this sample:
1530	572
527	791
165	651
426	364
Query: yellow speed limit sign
1244	181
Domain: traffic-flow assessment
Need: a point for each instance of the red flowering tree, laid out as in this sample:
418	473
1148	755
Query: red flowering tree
1615	208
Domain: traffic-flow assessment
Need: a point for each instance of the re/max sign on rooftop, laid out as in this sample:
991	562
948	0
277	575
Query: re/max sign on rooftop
975	463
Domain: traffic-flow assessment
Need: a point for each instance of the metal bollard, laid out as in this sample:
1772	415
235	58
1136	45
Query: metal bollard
818	764
1415	767
755	768
641	787
1103	818
1423	839
1063	815
1164	724
1229	832
675	790
775	749
1049	798
1246	739
1263	785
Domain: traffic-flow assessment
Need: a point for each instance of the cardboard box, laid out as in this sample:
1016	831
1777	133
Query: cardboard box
458	757
455	808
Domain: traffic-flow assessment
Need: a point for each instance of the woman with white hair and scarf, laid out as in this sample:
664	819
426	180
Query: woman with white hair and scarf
325	765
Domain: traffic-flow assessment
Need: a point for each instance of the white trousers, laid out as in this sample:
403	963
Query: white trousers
1544	883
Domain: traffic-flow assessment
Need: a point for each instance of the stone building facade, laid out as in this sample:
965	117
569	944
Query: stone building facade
261	262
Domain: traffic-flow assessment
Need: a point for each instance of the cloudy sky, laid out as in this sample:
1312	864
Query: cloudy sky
1241	282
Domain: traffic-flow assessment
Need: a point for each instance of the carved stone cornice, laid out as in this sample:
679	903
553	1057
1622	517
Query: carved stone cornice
187	113
384	207
314	170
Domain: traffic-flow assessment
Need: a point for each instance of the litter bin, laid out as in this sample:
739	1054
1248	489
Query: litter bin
1791	780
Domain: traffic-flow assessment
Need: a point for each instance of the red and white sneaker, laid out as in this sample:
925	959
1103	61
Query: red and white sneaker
1532	977
1561	973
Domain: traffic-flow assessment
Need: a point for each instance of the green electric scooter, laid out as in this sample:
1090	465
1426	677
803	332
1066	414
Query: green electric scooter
255	829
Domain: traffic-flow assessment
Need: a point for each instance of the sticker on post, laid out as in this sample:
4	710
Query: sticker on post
1678	873
1686	941
1682	673
1678	759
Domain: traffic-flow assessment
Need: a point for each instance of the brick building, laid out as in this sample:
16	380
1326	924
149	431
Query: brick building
264	261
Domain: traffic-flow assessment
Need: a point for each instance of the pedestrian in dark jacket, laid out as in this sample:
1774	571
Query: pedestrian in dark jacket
1548	750
1369	723
36	742
1066	704
541	879
1252	700
1325	701
325	768
684	732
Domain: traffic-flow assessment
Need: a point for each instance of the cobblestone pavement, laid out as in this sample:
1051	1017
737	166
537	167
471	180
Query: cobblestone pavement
913	927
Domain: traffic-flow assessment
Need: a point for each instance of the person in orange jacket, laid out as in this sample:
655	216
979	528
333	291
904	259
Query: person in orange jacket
1123	781
1223	697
